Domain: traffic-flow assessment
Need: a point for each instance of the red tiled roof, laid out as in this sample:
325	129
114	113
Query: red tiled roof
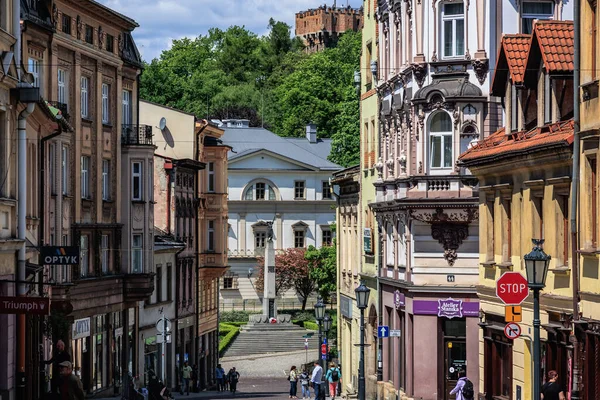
556	41
516	48
499	143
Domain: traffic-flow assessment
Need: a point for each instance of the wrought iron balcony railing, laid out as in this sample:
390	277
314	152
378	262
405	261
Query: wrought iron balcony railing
136	135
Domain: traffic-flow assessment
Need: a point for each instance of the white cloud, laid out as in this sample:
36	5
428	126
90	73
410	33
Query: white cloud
161	21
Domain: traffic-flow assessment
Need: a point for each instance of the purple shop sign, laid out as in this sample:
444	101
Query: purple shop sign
448	308
399	299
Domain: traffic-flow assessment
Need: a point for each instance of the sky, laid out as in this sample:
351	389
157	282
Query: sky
161	21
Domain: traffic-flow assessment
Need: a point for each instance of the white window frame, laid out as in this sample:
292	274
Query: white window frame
64	169
210	238
105	253
34	67
85	86
126	107
445	138
85	177
84	249
62	86
326	231
452	18
105	103
260	239
211	177
137	253
264	190
534	16
298	232
105	180
303	197
136	179
326	191
251	190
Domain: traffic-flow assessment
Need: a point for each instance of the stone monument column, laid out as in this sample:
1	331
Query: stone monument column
269	304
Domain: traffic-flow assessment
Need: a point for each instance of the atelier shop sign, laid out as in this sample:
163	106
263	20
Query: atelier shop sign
448	308
60	255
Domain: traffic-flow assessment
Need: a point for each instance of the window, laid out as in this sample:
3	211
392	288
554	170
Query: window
211	236
66	24
110	43
260	240
105	180
228	282
137	253
592	165
298	238
367	67
84	255
85	84
327	237
326	190
211	176
532	10
89	34
453	29
34	68
85	177
260	191
52	167
159	296
64	170
62	90
126	107
136	181
105	108
105	254
169	282
441	141
299	190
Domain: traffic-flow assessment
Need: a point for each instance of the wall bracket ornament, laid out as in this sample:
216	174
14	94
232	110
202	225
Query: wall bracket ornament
450	237
481	68
419	73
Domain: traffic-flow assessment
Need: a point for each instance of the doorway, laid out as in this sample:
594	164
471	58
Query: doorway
455	353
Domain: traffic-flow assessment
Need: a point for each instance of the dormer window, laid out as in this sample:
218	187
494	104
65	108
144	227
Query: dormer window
453	30
531	10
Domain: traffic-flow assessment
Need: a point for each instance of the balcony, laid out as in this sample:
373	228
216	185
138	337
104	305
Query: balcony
132	135
137	287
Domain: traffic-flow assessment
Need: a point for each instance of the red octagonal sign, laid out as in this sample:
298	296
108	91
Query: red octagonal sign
512	288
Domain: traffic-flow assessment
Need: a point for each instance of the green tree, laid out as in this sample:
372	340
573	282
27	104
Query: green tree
323	268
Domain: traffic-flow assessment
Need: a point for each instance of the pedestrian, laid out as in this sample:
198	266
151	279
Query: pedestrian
333	377
220	375
305	384
293	378
552	390
464	387
195	382
315	379
234	377
60	355
70	386
186	375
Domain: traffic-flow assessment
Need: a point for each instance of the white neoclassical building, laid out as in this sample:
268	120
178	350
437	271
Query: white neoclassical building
273	179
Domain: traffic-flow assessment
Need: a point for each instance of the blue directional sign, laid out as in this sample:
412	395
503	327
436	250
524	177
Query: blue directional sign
383	331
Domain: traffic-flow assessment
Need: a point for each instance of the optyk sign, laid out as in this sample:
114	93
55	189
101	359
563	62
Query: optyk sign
60	255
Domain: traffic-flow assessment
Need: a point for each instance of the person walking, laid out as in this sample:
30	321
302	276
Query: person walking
333	377
60	356
220	375
186	375
233	377
552	390
305	384
70	386
293	378
464	387
315	379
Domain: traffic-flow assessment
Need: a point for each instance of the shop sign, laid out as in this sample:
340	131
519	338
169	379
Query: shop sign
448	308
81	328
119	332
25	305
367	241
60	255
399	299
346	306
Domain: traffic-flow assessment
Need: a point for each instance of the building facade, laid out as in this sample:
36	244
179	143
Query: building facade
518	202
284	180
321	28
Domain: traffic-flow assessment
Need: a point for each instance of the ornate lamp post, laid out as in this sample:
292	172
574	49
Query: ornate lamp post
320	315
362	301
357	81
536	267
327	322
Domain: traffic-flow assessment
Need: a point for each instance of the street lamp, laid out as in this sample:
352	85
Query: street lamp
536	267
327	322
320	315
357	81
362	301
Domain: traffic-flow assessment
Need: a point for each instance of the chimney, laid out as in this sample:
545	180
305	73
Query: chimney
311	133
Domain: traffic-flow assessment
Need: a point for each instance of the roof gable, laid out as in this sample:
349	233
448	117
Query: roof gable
261	159
552	42
511	61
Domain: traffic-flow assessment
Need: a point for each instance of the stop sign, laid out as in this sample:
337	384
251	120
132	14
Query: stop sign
512	288
323	349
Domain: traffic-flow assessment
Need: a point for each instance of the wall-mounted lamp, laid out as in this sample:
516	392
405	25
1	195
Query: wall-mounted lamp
482	319
374	69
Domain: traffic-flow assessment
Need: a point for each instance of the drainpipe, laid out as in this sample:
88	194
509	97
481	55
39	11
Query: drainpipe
574	198
21	235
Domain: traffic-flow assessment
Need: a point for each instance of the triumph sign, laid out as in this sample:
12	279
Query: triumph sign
60	255
25	305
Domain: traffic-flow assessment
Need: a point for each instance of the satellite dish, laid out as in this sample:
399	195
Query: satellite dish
162	124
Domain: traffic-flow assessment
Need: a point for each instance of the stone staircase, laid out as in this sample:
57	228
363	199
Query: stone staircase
271	339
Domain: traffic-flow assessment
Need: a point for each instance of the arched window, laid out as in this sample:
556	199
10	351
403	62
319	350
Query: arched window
260	191
440	138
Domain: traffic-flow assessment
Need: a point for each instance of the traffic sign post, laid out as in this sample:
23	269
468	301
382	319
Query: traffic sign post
323	349
512	288
512	330
383	331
